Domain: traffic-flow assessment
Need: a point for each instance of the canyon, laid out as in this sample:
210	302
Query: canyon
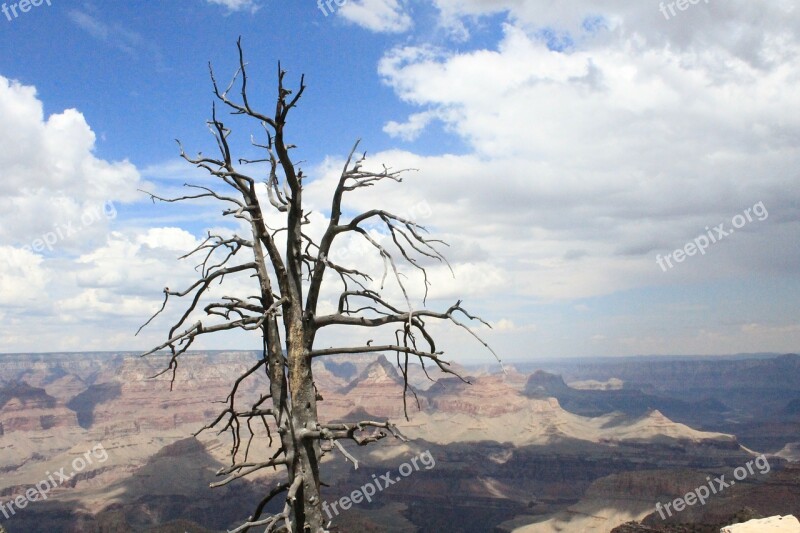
566	445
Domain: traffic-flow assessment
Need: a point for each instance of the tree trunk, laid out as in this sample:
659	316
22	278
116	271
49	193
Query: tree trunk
304	417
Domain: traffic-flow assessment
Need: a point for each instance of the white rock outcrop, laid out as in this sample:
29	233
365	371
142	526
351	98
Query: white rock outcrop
773	524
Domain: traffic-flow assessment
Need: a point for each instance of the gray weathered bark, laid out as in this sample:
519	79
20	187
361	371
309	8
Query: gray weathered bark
279	301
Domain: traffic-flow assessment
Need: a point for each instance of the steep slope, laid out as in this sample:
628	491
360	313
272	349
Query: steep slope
493	410
378	391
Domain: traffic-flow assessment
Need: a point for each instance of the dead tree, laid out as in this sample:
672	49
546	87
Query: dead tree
283	306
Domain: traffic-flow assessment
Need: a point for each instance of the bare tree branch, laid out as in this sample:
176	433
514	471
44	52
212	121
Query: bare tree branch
286	319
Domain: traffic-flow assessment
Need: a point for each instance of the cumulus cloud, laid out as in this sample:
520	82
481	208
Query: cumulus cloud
411	129
598	137
56	303
63	271
51	176
594	137
612	150
22	279
751	32
380	16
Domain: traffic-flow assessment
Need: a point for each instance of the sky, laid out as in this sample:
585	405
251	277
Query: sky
611	179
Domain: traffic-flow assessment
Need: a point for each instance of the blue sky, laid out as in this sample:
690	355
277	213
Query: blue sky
561	150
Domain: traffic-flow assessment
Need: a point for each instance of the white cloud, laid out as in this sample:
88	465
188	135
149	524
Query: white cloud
755	33
380	16
586	164
51	176
597	138
594	138
504	324
56	191
22	279
411	129
237	5
112	289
